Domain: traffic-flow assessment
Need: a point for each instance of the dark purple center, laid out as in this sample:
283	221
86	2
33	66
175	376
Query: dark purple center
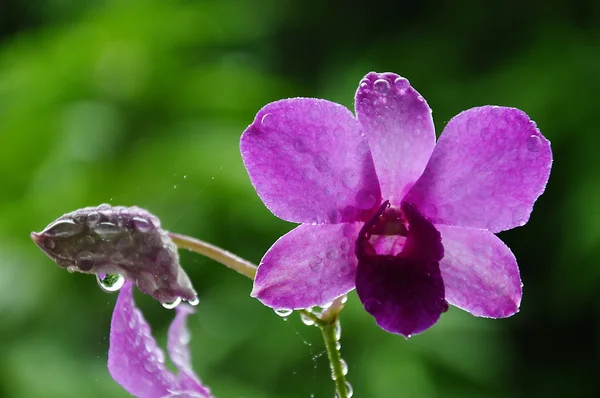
398	278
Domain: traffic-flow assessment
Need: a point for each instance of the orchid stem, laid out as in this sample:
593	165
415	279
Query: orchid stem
328	322
222	256
338	373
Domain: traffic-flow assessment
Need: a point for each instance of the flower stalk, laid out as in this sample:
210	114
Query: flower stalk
327	322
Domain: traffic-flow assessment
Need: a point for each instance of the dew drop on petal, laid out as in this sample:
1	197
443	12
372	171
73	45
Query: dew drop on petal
401	83
172	304
111	282
365	199
534	143
315	264
194	302
381	85
338	331
283	312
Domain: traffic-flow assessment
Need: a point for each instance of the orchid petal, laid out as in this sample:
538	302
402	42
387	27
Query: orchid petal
480	272
487	170
399	128
309	162
134	359
179	351
310	265
406	296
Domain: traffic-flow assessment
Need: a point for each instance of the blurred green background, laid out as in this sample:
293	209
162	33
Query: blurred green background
142	102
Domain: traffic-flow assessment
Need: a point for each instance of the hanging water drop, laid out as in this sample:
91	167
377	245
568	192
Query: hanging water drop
172	304
308	321
111	282
349	391
194	302
338	331
344	366
284	312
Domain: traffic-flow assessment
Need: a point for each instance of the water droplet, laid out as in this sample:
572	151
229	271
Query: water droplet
283	312
349	390
49	244
315	264
306	320
267	121
104	206
350	178
338	345
534	143
321	162
344	246
141	224
93	218
85	262
194	302
107	228
172	304
381	85
111	282
344	299
338	331
332	254
401	83
300	146
344	366
365	199
63	229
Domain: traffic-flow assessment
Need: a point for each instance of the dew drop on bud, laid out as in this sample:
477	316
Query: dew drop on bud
111	282
284	312
172	304
194	302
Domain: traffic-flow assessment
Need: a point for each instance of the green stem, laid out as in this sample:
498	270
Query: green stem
222	256
338	373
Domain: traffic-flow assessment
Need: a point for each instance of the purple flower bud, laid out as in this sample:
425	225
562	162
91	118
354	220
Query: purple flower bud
118	240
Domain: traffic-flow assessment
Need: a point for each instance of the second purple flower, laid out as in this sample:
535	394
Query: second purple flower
384	209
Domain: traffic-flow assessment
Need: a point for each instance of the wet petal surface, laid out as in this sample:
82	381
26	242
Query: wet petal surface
134	359
309	162
480	272
311	265
487	170
178	341
399	128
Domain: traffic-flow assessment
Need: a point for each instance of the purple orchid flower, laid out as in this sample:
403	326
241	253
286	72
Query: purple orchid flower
137	363
383	208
